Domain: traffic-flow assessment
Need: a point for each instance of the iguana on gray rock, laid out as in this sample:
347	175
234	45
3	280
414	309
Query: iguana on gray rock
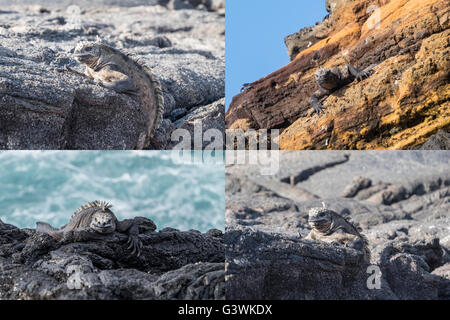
117	71
330	80
328	226
90	222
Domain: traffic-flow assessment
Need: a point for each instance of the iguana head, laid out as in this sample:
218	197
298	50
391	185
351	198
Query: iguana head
326	78
320	219
103	222
88	52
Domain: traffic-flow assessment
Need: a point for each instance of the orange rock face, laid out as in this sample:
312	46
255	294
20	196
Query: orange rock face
403	103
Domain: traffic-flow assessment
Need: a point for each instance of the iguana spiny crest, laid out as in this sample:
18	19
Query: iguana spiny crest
329	226
100	205
92	219
118	71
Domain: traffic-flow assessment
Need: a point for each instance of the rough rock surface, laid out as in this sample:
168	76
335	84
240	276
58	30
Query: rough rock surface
403	211
211	5
438	141
203	122
400	106
172	265
42	106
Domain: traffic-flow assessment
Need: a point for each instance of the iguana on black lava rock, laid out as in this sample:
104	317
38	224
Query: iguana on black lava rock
328	226
90	222
117	71
330	80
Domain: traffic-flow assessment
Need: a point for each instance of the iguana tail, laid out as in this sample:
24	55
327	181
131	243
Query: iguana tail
160	108
44	227
159	104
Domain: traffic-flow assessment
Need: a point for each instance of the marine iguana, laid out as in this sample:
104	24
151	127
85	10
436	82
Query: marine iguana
246	86
118	71
328	226
330	80
90	222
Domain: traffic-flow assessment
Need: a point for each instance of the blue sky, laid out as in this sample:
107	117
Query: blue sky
255	31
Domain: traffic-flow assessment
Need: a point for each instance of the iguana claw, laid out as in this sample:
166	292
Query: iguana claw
318	108
135	244
363	75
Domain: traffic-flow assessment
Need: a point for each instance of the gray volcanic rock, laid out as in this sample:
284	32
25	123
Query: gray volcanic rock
264	265
299	41
172	265
212	5
44	106
406	267
438	141
58	4
400	200
200	120
272	265
192	282
308	36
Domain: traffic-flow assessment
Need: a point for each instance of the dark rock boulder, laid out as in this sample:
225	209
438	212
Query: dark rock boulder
407	269
438	141
265	265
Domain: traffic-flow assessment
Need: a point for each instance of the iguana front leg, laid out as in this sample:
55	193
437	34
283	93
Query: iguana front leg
360	75
67	68
315	100
131	228
121	86
114	80
347	239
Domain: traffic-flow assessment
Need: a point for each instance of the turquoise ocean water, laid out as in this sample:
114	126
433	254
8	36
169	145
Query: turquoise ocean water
50	185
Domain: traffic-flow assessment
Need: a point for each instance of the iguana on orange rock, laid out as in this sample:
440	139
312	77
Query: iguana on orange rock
330	80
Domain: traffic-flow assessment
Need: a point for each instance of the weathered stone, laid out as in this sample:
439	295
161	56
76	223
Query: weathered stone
438	141
210	117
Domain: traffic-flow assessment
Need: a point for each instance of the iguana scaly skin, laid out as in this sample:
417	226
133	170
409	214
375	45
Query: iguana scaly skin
328	226
118	71
90	222
330	80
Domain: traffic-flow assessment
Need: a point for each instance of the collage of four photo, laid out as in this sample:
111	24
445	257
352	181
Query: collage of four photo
191	150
